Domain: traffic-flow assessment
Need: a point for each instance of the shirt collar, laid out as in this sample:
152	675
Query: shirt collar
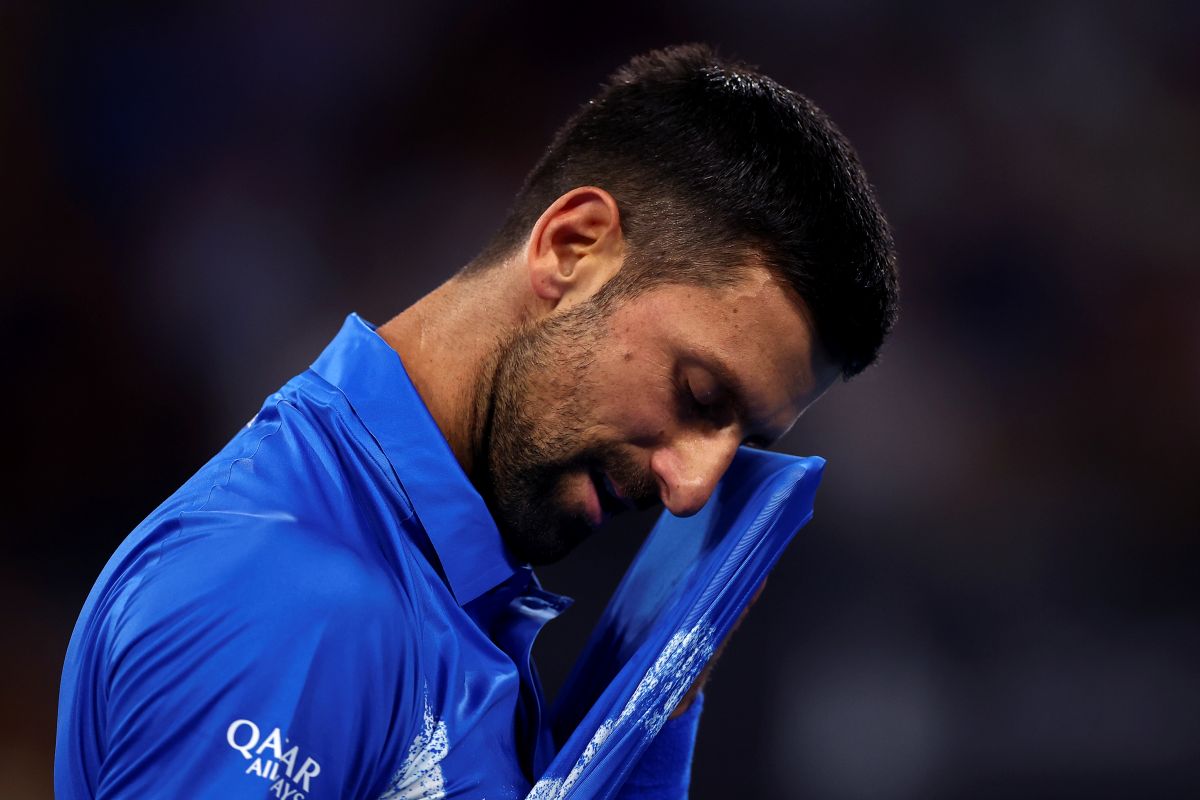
370	374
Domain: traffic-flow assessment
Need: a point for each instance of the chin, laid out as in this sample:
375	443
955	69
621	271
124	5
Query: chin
540	545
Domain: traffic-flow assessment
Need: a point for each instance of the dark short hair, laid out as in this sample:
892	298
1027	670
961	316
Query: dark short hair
714	166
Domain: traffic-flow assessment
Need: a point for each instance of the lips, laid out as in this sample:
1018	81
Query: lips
611	499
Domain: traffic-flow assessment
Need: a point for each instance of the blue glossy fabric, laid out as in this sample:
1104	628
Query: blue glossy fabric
678	600
325	610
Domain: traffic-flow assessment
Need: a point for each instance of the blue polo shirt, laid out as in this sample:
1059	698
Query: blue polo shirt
325	610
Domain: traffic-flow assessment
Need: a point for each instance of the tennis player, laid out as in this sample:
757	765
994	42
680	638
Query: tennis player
340	604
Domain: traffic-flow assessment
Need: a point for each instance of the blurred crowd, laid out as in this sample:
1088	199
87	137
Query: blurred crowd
998	594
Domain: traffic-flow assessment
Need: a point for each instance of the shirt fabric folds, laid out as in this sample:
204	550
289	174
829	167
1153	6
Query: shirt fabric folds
326	610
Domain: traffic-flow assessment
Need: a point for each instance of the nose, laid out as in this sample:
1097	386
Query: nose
688	469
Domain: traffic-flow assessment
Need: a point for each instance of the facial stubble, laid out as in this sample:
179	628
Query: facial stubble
533	439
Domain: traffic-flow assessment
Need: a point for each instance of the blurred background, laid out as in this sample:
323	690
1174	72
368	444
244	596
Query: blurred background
999	594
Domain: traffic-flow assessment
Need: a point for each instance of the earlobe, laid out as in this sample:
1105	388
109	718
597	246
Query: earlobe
575	246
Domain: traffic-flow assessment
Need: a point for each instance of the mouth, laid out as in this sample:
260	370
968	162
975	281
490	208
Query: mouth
611	500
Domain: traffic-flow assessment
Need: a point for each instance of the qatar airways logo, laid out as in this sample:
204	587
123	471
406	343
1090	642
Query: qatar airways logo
270	761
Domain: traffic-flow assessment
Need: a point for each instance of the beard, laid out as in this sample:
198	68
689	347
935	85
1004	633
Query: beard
535	437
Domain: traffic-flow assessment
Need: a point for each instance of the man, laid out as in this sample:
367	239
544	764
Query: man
339	603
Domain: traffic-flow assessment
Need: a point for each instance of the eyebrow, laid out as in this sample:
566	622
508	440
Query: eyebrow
736	389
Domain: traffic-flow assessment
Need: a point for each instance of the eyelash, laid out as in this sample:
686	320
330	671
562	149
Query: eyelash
689	401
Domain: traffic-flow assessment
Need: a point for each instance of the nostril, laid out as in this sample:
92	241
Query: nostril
664	492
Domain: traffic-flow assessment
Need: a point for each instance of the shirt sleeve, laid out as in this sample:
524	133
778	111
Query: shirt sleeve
665	768
265	664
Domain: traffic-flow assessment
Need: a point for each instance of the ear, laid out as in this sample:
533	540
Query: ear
574	248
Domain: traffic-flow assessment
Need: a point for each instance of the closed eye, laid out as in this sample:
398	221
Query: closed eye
714	408
718	398
688	402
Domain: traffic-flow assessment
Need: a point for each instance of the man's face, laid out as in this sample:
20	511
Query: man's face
597	411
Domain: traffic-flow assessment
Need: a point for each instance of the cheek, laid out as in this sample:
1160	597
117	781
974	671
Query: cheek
634	407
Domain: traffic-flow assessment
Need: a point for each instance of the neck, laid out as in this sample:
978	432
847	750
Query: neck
448	342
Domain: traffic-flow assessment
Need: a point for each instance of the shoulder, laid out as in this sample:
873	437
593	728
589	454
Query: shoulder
276	610
232	567
289	525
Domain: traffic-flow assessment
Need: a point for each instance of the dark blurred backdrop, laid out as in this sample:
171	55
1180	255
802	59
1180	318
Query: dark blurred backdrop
998	596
